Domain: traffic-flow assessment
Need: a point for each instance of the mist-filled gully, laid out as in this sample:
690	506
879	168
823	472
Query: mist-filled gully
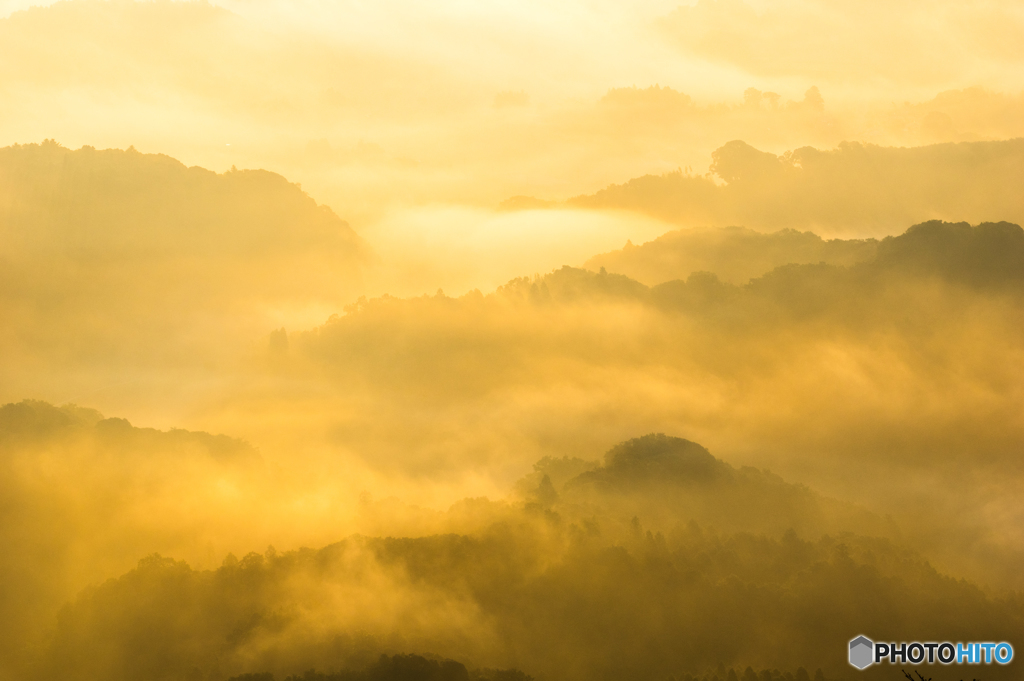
559	341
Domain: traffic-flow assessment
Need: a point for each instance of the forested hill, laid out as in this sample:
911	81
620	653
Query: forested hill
905	359
653	603
670	480
637	544
115	258
735	254
81	500
984	259
122	203
990	252
857	187
989	256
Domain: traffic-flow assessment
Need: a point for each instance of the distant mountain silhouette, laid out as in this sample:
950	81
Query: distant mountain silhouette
734	254
33	423
989	255
131	254
857	186
122	203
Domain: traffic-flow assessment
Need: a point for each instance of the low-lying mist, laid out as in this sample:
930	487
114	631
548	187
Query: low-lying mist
397	341
427	469
811	370
659	559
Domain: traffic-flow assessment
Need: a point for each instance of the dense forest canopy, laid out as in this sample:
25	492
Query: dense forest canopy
636	547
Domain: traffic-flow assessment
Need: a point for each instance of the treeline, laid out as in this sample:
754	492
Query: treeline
559	587
38	424
659	561
115	203
856	187
417	668
85	495
989	256
122	261
914	282
400	668
734	254
669	480
900	361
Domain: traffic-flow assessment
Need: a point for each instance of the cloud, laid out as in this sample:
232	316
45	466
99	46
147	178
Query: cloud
891	46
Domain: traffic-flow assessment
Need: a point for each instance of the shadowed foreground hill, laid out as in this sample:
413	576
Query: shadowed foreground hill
555	588
83	496
402	668
667	480
860	188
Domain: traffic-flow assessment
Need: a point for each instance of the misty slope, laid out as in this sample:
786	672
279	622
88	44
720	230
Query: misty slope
735	254
938	271
115	259
861	188
83	496
907	363
819	368
992	253
668	480
112	204
552	587
857	403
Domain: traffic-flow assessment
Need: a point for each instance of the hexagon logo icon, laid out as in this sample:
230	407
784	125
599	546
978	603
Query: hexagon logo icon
862	651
